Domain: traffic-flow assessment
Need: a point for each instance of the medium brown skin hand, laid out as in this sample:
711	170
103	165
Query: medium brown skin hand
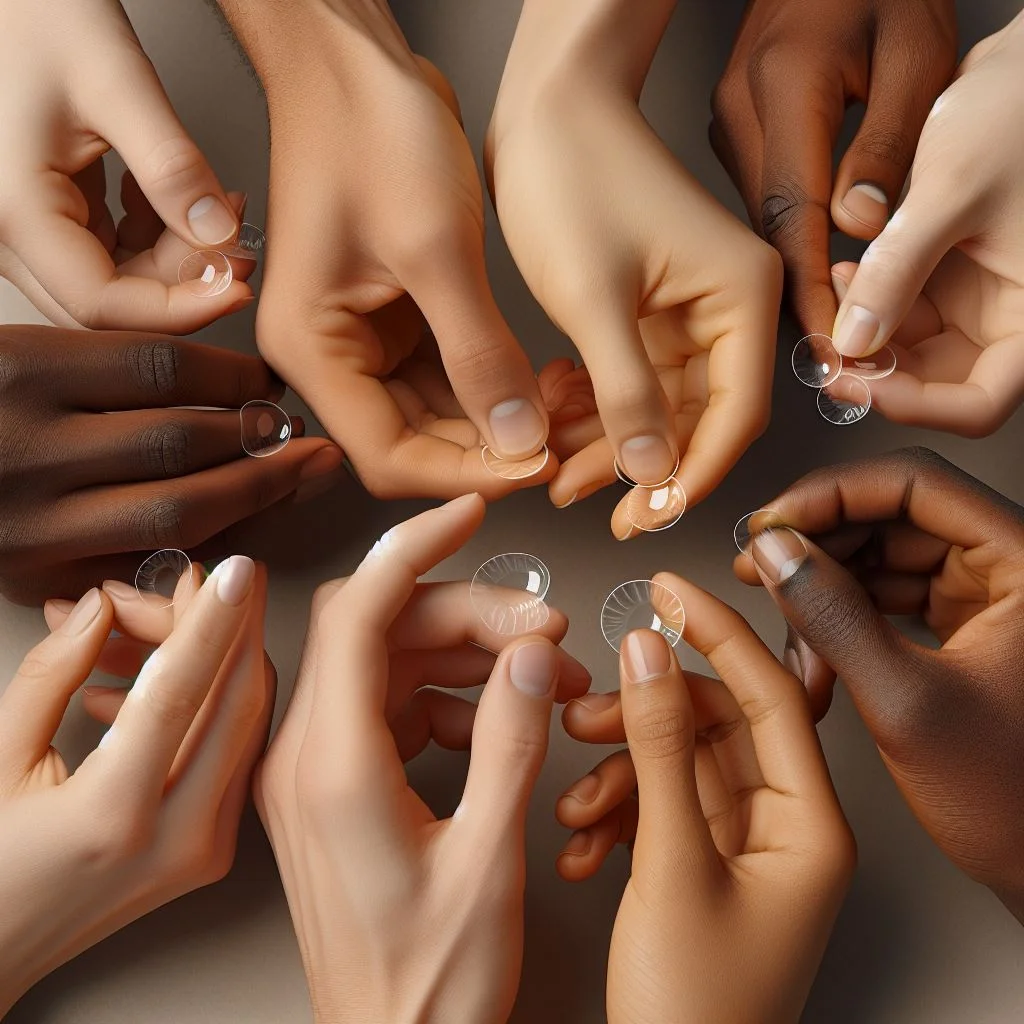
86	496
910	534
795	67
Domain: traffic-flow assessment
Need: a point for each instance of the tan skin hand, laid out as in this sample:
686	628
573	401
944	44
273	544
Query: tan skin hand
736	833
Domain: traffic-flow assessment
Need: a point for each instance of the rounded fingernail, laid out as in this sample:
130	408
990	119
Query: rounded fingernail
857	331
533	668
648	459
586	789
778	553
579	844
234	579
83	614
867	203
517	428
211	221
647	655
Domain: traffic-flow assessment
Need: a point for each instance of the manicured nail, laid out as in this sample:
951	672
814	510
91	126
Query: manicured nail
840	287
566	504
579	844
596	703
778	553
234	579
120	591
792	661
868	204
586	789
83	614
647	656
517	428
857	332
532	669
211	221
647	459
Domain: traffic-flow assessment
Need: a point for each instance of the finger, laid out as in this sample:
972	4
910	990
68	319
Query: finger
141	227
510	740
595	718
817	676
433	715
102	703
588	849
598	793
122	656
659	722
33	705
144	741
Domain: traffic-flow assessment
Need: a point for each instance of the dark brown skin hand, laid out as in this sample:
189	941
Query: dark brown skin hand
910	534
86	496
795	67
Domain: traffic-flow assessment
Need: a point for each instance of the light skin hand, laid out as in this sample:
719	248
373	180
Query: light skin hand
795	67
153	811
736	833
910	534
672	303
944	282
75	83
376	305
407	917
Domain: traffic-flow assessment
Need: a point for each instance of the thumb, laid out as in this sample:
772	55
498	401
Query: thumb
658	717
835	616
510	740
896	267
169	167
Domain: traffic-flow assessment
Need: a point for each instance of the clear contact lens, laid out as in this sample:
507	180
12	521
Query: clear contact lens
816	362
849	405
873	367
205	273
508	591
641	604
621	474
266	428
249	245
158	577
518	470
656	508
741	532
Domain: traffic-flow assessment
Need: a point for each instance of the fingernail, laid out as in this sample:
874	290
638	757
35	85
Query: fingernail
792	661
234	579
868	204
595	703
778	553
83	614
120	591
840	287
517	428
647	459
647	656
586	789
857	332
211	221
532	669
566	504
325	461
579	844
60	604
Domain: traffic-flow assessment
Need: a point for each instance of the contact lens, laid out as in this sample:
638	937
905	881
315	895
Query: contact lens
158	577
656	508
266	428
514	470
621	474
741	532
205	273
873	367
641	604
508	591
248	246
816	362
852	407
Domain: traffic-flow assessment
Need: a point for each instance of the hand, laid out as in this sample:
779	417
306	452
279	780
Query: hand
403	917
945	279
80	489
377	220
672	303
795	67
913	535
738	833
75	83
153	811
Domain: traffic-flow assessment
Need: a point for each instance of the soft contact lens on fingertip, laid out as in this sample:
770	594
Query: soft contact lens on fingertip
508	469
816	362
641	604
873	367
741	532
508	591
249	245
266	428
656	508
205	273
158	577
850	404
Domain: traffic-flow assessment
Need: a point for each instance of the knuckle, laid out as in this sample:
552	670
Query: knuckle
38	664
887	143
157	366
783	213
830	618
158	523
661	733
165	450
168	702
174	164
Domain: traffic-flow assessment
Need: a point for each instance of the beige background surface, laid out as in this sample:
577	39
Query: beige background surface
916	943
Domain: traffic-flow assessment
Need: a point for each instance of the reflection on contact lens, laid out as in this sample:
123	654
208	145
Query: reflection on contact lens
816	362
158	577
248	246
873	367
852	407
266	428
520	469
508	591
641	604
656	508
205	273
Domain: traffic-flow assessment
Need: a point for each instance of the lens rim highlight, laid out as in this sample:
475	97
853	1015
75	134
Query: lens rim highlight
173	559
213	286
839	411
623	600
500	616
492	462
636	495
280	444
836	360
